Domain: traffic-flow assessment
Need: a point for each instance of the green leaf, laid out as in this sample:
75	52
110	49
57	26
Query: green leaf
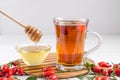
10	64
18	63
86	77
88	63
0	68
80	77
32	78
15	78
113	76
90	78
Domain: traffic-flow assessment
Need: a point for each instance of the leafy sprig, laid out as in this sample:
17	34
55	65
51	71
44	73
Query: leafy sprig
91	75
32	78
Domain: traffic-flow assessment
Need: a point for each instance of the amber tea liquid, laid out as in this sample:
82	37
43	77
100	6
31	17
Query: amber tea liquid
70	44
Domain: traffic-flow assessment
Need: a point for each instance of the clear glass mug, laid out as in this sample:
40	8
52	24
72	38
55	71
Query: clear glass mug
70	42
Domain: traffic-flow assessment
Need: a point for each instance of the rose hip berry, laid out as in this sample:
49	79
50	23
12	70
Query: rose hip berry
98	78
64	30
14	69
20	70
115	65
97	69
9	73
53	77
103	72
110	70
15	63
3	78
10	78
48	73
2	74
47	69
81	28
104	64
5	68
67	31
117	72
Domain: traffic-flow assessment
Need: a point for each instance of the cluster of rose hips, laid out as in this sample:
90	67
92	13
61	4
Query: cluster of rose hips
105	70
49	73
7	70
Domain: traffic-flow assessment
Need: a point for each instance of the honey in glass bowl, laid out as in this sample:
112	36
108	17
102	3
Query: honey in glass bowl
33	55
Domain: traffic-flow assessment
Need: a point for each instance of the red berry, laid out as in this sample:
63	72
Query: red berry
14	69
117	72
104	64
105	78
98	78
2	74
82	27
47	69
53	77
20	70
104	72
48	73
15	63
97	69
110	70
67	31
115	65
9	73
3	78
10	78
5	68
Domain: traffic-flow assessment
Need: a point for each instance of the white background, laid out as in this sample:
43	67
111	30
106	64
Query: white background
104	15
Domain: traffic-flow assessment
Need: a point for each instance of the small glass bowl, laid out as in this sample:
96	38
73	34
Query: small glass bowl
33	55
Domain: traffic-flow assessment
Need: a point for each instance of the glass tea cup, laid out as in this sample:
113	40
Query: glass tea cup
33	55
70	42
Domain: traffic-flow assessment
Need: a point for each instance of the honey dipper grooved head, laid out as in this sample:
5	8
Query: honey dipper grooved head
33	33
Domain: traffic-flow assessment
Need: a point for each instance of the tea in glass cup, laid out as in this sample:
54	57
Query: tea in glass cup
33	54
70	41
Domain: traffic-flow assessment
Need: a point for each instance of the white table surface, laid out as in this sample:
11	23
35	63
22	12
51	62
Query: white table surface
109	51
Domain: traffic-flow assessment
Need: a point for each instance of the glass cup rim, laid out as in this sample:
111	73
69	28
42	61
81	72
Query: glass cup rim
69	19
25	45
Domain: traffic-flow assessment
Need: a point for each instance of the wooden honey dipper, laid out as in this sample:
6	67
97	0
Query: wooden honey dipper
33	33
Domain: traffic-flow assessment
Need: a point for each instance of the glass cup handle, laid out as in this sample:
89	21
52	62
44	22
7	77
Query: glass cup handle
96	46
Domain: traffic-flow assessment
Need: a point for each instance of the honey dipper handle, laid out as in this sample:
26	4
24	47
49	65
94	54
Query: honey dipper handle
12	19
